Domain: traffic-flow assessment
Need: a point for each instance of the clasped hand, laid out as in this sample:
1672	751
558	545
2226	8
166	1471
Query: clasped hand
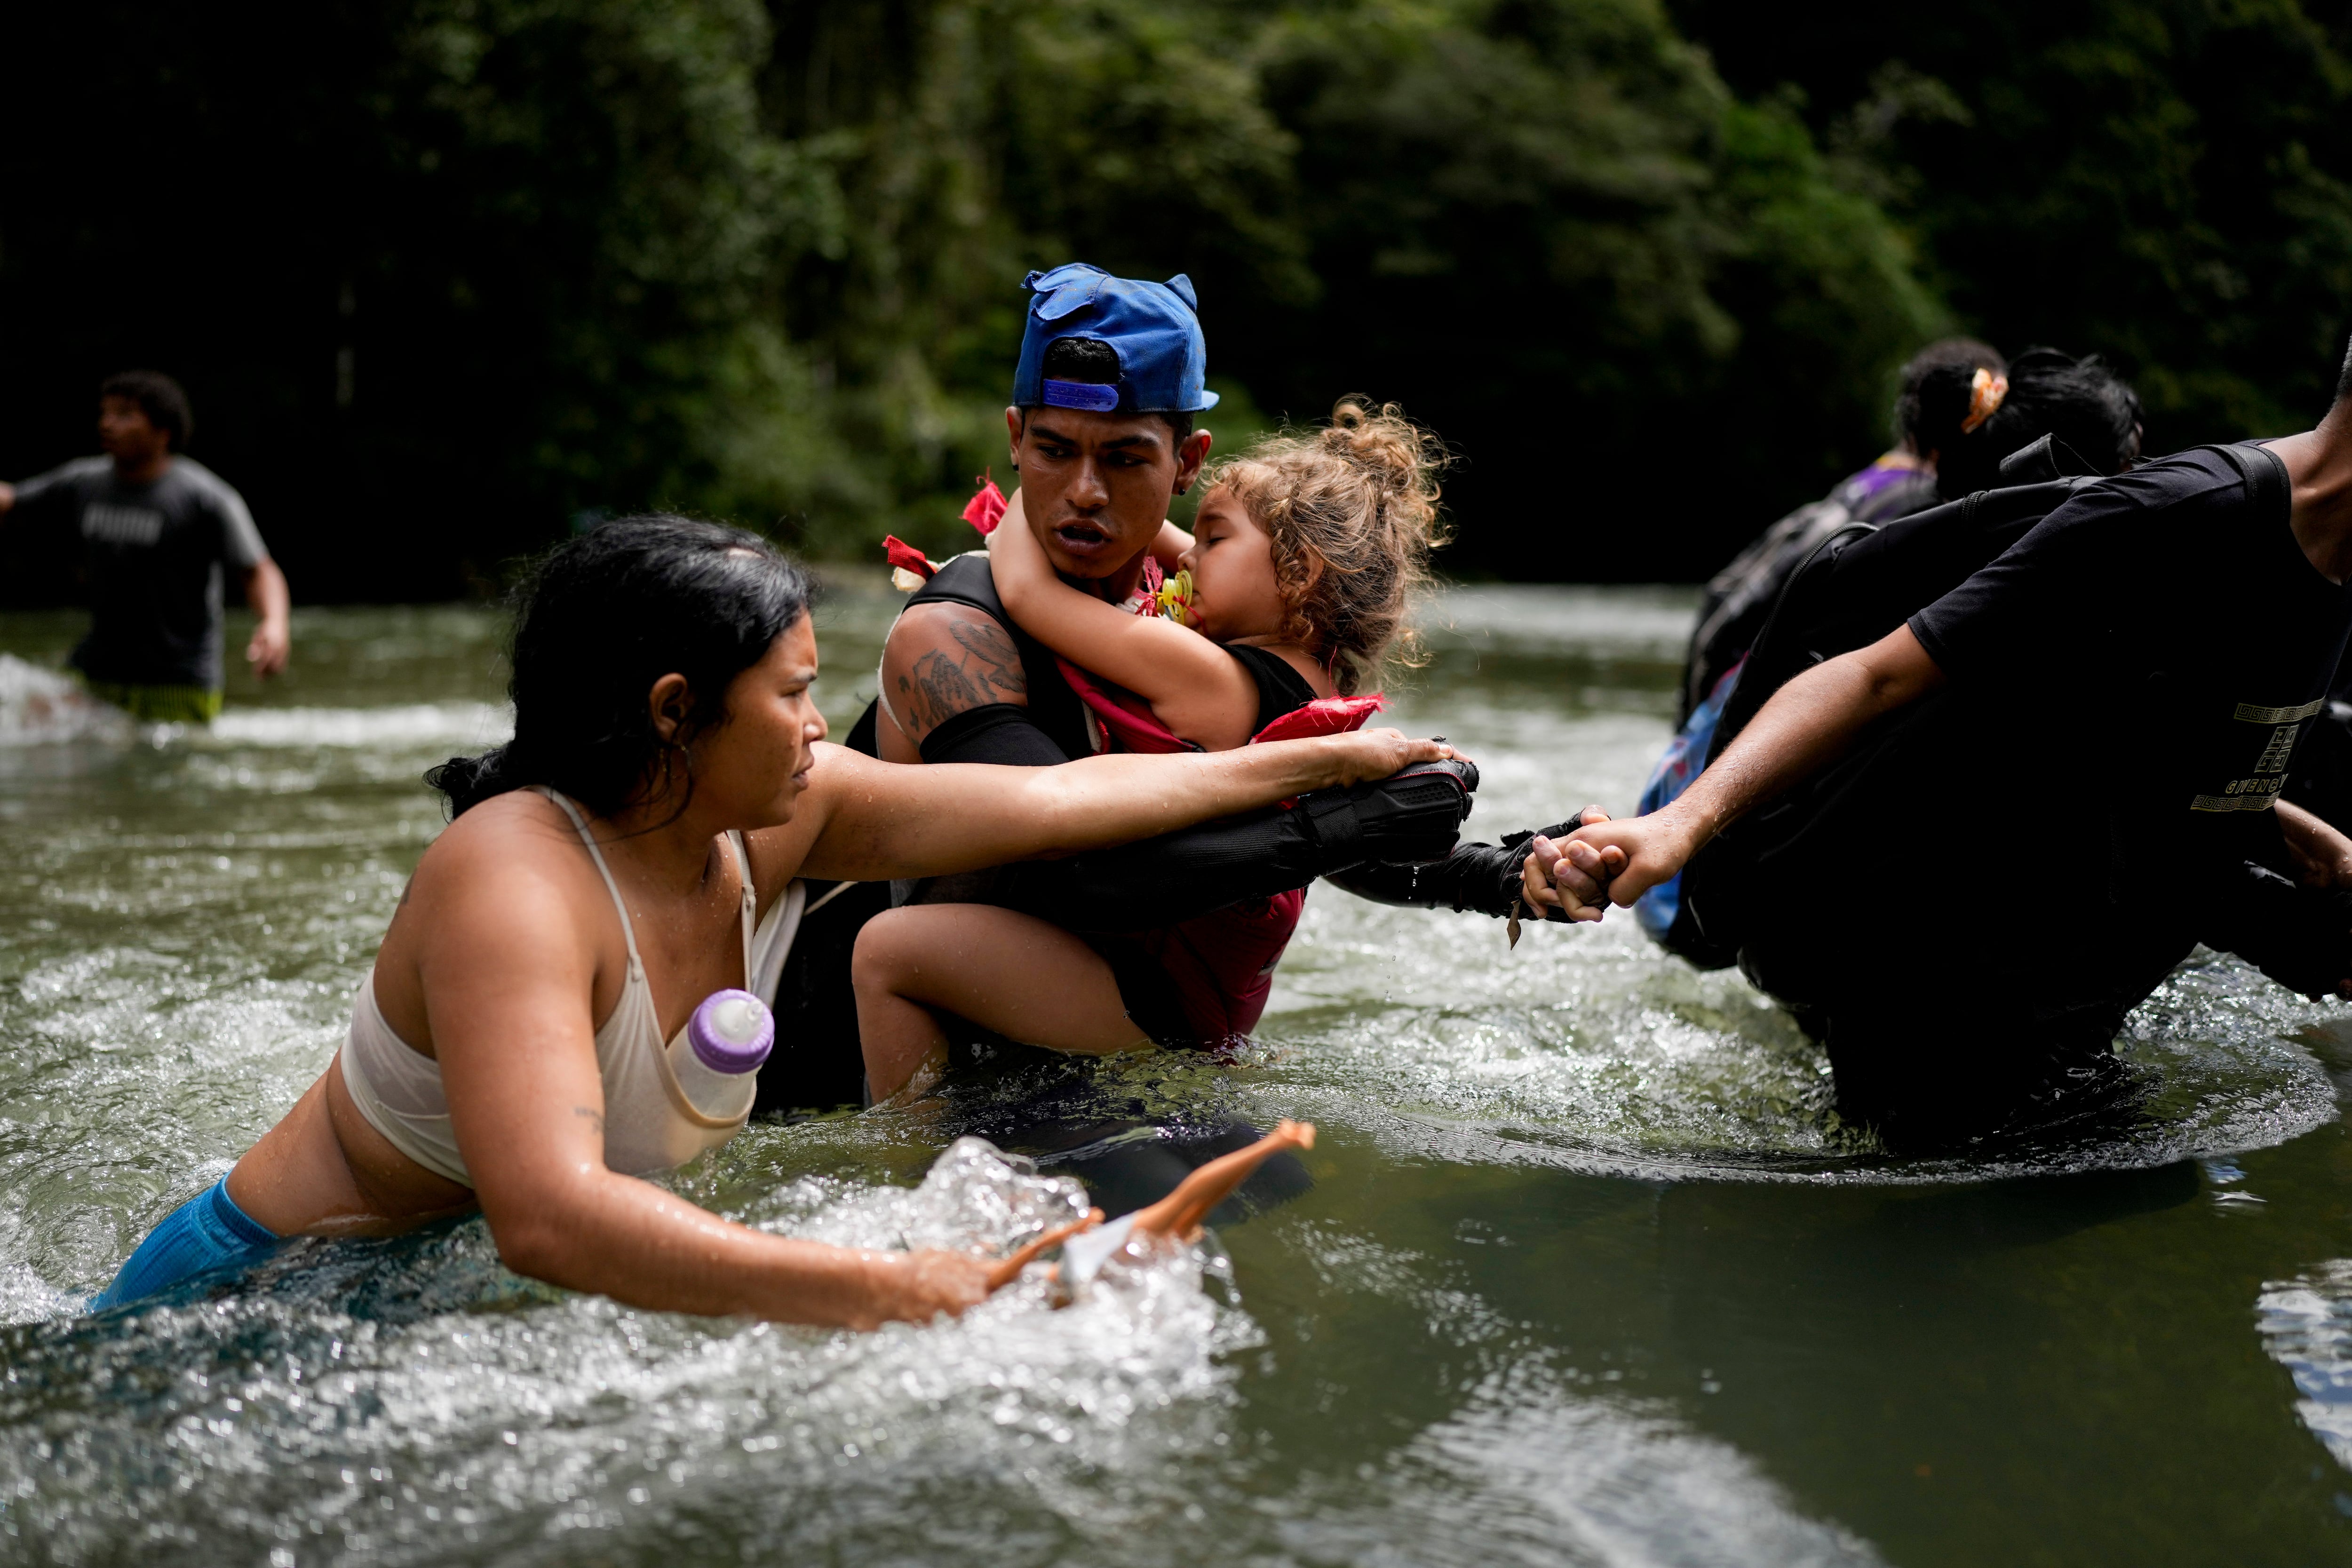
1601	863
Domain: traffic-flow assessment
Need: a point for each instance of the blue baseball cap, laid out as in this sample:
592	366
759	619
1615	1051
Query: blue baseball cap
1152	327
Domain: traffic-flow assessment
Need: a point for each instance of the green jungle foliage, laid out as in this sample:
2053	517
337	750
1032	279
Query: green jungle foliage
447	277
2166	183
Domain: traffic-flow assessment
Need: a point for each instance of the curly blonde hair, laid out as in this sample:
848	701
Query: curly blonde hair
1351	510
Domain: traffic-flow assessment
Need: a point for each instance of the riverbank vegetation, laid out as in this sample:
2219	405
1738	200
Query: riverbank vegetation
446	276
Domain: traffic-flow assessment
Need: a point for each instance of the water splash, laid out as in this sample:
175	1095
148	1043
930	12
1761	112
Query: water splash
45	707
410	1400
469	724
1590	1050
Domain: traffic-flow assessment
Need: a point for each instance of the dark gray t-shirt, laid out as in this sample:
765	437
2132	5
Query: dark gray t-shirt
154	554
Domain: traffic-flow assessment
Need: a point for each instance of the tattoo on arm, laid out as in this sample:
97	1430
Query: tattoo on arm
992	651
986	670
595	1116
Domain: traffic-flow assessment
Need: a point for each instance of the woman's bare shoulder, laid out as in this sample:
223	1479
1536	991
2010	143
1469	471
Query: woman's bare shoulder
521	827
515	852
505	889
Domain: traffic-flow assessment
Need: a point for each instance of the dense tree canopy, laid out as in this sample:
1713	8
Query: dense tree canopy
445	276
2167	183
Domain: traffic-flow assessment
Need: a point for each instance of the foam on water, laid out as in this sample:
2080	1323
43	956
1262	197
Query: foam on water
471	725
40	706
398	1400
46	707
1590	1050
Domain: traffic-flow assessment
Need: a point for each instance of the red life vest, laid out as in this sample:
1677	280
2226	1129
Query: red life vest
1222	964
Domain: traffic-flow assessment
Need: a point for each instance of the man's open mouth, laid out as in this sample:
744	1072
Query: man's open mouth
1082	538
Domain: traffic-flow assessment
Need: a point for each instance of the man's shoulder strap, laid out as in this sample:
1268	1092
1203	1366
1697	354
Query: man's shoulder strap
2265	473
966	580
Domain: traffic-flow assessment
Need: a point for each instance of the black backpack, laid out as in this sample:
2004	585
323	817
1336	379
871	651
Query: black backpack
1863	582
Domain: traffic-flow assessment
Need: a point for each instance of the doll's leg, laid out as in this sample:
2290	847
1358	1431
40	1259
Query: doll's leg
1180	1214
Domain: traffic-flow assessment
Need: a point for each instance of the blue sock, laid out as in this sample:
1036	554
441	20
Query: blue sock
207	1234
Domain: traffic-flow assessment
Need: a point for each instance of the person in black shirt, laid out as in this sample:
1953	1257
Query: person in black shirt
2133	678
2080	401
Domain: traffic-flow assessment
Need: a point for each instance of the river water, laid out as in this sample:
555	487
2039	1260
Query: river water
1586	1274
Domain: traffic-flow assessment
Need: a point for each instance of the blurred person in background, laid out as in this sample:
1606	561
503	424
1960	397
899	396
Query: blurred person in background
1933	412
2092	411
1966	416
157	528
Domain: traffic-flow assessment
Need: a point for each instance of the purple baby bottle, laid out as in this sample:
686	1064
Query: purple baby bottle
717	1055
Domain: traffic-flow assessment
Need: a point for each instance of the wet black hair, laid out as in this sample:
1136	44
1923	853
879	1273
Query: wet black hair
1934	396
158	397
2344	377
2081	401
596	622
1095	361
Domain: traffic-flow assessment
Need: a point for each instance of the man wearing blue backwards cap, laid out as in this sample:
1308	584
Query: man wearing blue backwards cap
1101	428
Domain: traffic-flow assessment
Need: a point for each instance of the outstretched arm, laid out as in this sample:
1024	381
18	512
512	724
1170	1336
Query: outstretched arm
865	820
39	489
1195	688
1807	723
1481	878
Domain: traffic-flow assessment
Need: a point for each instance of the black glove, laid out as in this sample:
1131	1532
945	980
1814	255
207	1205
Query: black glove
1480	877
1412	815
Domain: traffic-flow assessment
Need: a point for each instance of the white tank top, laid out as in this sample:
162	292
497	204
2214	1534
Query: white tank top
649	1125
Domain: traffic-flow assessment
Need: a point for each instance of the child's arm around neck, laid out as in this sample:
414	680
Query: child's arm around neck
1195	688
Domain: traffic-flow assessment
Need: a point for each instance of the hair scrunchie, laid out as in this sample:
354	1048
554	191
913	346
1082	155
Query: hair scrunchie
1986	391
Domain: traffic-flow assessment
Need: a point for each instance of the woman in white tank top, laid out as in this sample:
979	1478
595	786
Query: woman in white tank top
634	849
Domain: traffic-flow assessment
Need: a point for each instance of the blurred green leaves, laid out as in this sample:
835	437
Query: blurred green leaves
2167	183
471	266
1544	225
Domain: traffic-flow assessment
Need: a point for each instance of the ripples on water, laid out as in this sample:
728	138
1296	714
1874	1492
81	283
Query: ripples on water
1441	1353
